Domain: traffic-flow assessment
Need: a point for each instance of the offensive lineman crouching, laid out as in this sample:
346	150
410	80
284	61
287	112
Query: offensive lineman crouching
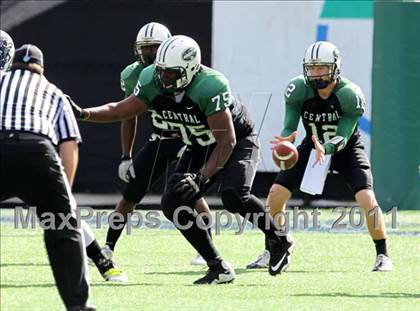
222	146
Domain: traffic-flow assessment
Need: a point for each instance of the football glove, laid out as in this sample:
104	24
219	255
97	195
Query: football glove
190	186
126	170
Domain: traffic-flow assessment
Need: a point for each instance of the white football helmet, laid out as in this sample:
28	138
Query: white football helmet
322	53
7	49
149	35
178	60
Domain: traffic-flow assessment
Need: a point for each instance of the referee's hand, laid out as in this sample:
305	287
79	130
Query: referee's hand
79	112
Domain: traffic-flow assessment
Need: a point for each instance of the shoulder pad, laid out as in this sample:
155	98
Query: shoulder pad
210	82
296	91
146	75
352	100
125	74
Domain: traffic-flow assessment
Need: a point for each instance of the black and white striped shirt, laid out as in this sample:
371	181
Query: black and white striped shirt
29	103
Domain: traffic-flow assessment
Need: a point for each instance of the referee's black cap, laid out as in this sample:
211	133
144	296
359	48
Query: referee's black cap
29	53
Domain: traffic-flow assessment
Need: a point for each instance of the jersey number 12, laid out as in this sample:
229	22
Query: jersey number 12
328	130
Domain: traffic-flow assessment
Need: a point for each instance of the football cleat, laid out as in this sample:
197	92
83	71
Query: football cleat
280	254
383	263
110	271
115	275
221	272
261	262
107	251
198	261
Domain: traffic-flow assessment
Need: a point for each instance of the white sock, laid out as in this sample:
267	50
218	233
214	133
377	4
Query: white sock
87	233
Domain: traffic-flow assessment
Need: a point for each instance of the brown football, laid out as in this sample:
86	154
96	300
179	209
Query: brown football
285	155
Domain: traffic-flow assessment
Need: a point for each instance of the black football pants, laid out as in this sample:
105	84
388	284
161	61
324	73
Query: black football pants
235	182
30	170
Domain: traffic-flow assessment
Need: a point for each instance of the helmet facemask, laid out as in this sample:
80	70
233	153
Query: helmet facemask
318	81
146	53
171	79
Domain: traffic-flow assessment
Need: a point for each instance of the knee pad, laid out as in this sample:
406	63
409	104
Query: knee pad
168	208
233	201
176	210
170	202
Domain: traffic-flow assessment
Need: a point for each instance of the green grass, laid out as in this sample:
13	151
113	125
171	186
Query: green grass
330	271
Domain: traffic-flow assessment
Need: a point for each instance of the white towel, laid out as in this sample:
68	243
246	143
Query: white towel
314	178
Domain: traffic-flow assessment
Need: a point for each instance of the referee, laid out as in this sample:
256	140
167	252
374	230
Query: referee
35	116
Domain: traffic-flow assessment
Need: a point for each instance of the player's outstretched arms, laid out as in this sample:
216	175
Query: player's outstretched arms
279	139
112	112
291	121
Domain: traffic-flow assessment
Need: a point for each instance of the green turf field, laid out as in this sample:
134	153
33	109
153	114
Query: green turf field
330	271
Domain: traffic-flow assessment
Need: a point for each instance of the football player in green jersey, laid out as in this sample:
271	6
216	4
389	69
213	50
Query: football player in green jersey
330	107
222	147
162	147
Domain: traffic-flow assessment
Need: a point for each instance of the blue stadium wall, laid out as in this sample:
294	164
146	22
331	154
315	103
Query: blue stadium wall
88	43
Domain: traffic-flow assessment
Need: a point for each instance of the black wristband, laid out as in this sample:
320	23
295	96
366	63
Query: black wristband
337	143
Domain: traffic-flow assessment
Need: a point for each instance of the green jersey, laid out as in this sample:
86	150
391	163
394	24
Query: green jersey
337	115
187	112
130	76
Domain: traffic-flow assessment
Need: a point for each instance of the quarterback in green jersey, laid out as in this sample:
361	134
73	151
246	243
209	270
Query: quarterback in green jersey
330	107
161	149
222	147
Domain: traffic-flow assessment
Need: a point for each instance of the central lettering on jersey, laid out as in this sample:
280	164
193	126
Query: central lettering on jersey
321	117
179	116
189	126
